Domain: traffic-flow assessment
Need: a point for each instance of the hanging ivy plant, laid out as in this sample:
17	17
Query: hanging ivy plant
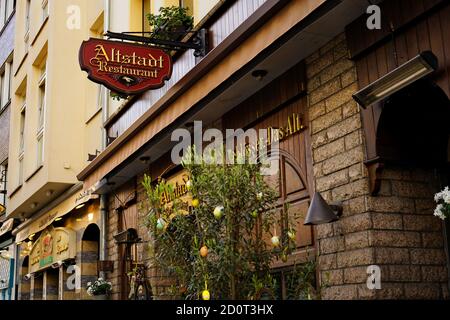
171	23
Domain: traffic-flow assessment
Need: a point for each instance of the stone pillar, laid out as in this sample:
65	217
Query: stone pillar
36	287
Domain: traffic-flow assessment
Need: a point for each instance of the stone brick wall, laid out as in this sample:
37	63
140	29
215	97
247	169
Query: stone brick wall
395	230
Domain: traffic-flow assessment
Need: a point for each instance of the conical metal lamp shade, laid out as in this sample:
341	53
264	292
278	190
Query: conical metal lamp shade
319	212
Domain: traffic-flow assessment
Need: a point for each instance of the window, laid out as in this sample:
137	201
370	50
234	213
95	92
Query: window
5	85
41	117
21	170
44	9
42	96
3	174
40	149
6	9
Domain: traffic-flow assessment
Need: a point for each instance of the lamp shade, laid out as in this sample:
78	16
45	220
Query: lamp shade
319	211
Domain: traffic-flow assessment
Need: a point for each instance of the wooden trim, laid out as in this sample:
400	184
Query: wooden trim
384	38
254	22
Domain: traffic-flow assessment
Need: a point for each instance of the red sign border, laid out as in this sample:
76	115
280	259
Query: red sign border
85	67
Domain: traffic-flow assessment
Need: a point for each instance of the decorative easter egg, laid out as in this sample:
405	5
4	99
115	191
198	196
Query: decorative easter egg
204	251
275	241
160	224
195	203
255	214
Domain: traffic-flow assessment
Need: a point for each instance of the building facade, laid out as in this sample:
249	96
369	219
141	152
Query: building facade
7	247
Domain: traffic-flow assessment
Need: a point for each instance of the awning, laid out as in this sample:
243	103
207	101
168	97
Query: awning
6	226
48	218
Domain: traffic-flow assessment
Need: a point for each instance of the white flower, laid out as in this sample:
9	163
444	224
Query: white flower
100	279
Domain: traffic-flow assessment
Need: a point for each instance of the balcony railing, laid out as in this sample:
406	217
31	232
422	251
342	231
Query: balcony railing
219	29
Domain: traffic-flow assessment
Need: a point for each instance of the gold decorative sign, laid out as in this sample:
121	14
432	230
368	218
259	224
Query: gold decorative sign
293	126
54	244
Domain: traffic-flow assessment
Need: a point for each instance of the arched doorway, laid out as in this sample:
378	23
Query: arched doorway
90	248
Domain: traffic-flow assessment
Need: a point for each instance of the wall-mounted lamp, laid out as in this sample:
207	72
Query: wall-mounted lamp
320	212
411	71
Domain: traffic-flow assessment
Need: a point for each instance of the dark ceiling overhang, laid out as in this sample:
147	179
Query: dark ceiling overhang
309	35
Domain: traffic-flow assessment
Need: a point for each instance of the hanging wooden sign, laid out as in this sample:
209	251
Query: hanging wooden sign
124	67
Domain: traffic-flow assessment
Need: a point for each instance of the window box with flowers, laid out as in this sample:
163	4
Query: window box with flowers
99	290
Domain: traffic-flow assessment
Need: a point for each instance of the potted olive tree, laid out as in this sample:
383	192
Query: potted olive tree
171	23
